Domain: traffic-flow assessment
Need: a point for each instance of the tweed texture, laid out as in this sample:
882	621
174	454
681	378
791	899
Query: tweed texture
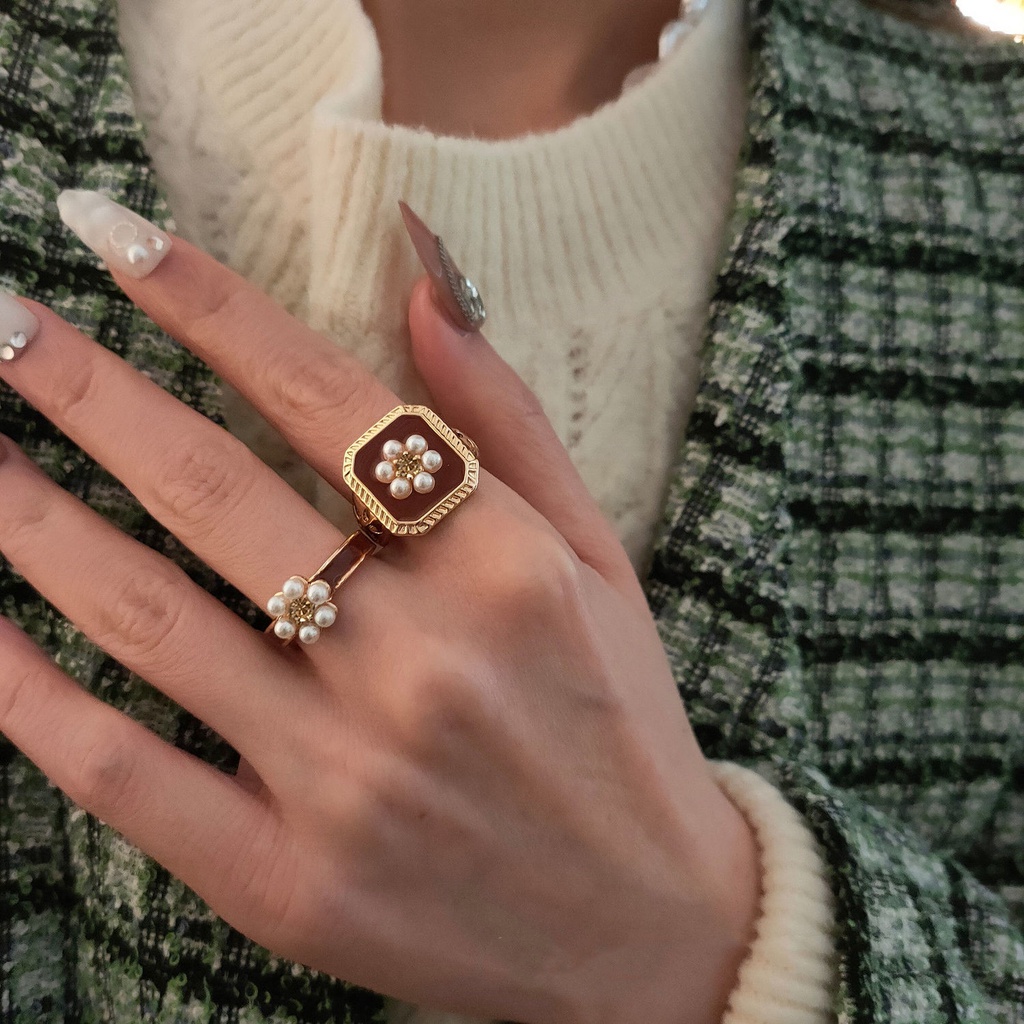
837	578
91	930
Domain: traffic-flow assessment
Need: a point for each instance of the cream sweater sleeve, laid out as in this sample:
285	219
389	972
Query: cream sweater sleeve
789	975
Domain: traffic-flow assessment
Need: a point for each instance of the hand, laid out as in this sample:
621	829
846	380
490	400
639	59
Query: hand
479	791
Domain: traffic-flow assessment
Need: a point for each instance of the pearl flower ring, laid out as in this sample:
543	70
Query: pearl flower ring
408	466
302	608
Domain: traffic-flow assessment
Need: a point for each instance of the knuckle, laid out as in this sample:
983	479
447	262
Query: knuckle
201	482
103	774
311	389
219	314
443	706
25	524
20	696
538	576
145	615
78	381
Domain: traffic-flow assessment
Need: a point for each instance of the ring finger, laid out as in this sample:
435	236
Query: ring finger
138	606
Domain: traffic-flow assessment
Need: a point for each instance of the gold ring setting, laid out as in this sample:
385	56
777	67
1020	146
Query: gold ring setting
406	473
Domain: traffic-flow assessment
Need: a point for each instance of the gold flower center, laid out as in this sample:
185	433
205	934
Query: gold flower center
301	610
408	464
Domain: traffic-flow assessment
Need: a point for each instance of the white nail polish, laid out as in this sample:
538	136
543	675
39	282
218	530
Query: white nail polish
17	327
125	241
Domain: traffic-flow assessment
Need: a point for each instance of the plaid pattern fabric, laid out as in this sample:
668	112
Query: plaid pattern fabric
839	576
90	929
835	580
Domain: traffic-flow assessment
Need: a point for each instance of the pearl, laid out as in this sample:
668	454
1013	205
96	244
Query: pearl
294	587
14	346
136	254
156	243
284	629
384	472
416	444
431	461
309	634
325	615
423	482
392	449
400	488
319	591
277	605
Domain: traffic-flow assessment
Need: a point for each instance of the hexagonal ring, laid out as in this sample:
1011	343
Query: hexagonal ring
409	470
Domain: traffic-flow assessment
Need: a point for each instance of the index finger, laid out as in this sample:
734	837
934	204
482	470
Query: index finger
315	393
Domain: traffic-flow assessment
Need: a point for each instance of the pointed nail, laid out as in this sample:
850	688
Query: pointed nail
125	241
17	327
456	293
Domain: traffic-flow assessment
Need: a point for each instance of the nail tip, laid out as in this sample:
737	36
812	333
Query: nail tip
412	218
71	197
18	326
97	220
466	314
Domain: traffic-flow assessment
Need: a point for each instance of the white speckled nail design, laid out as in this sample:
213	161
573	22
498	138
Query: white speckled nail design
17	327
124	240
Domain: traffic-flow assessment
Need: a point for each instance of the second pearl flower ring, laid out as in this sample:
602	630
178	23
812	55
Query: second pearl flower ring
406	473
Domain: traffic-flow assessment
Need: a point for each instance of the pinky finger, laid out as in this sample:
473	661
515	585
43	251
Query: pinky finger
183	812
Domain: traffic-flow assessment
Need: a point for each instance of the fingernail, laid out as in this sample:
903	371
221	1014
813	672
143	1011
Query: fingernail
456	293
17	327
123	239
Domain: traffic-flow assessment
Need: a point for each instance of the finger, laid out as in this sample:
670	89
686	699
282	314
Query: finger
474	387
318	396
203	484
187	815
141	608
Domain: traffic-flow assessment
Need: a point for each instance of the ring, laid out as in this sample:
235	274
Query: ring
406	473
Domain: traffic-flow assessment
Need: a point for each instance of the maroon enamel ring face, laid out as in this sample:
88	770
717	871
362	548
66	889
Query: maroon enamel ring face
410	469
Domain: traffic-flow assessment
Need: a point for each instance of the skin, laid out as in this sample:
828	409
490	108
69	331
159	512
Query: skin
503	68
480	791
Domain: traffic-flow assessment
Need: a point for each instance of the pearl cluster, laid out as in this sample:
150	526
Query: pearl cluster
124	238
14	346
302	608
408	466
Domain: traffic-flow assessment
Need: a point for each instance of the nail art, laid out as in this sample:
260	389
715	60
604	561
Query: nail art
122	239
17	327
457	293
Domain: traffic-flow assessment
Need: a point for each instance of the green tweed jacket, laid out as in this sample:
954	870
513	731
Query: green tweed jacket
839	578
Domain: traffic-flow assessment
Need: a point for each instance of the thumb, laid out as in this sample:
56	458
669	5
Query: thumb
476	391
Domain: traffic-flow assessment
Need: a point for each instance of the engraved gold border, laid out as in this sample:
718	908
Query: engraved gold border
438	512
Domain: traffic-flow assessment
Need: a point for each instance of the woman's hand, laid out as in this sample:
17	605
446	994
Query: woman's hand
480	790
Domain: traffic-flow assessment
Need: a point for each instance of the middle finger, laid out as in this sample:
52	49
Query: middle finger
202	483
140	607
315	393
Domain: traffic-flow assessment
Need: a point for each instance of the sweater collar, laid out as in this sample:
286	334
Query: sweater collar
299	89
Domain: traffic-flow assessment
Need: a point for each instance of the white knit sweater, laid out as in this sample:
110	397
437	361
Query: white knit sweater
594	247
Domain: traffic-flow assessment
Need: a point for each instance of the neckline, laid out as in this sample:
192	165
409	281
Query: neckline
592	206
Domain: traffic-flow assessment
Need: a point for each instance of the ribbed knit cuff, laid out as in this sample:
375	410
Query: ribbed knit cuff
789	975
